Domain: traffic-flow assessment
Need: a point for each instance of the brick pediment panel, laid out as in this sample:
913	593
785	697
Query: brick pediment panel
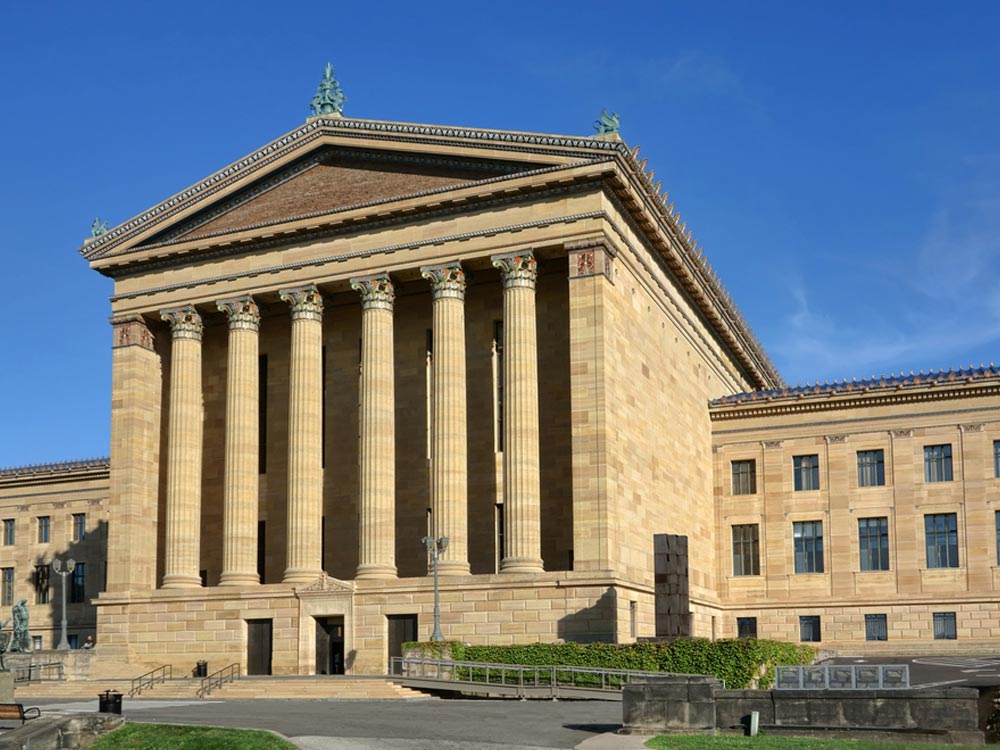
330	182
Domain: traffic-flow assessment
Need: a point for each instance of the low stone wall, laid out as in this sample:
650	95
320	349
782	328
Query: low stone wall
698	704
70	733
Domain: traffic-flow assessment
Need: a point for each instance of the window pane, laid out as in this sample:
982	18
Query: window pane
809	629
808	542
746	550
744	477
806	472
996	458
937	463
873	543
944	626
876	628
941	540
746	627
871	468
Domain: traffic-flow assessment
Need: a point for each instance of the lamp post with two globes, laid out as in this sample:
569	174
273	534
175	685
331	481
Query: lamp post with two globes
58	568
434	548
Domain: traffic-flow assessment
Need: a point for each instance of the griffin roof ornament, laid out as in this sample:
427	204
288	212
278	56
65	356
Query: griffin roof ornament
329	99
98	227
607	124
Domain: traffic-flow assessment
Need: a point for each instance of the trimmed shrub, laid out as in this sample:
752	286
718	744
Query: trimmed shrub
739	662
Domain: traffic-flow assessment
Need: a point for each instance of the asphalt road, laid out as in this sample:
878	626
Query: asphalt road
939	671
546	724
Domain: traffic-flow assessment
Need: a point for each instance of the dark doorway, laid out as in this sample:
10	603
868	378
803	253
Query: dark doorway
673	607
259	646
402	628
329	645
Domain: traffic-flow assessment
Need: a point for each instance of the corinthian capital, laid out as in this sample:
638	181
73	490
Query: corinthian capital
447	280
185	322
306	302
242	312
517	269
376	291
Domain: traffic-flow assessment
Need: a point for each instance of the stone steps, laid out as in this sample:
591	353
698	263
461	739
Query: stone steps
246	688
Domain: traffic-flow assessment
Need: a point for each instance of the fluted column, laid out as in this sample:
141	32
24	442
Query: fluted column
305	439
377	533
184	444
449	468
521	487
239	527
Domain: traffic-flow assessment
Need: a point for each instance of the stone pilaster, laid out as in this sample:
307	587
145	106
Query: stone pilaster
449	464
184	447
136	383
239	528
521	485
305	439
377	537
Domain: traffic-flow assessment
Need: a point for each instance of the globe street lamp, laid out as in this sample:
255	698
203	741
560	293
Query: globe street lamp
434	548
57	567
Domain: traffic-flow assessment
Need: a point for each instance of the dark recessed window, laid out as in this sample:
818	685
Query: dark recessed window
746	550
808	538
809	629
937	463
806	471
746	627
944	626
871	468
876	628
744	477
873	543
941	540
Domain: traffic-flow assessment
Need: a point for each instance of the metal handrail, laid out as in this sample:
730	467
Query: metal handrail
217	679
33	672
520	676
143	681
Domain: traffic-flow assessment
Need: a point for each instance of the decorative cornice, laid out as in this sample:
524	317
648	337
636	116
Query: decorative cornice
185	322
971	427
770	444
447	280
59	467
377	292
243	313
306	302
900	434
517	269
832	439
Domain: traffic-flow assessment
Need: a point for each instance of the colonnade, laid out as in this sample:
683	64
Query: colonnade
376	533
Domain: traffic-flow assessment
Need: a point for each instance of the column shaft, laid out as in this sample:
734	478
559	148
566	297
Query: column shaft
239	537
305	439
449	463
521	484
377	538
184	451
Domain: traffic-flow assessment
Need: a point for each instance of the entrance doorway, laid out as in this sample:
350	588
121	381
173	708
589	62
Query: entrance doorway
402	628
329	645
259	646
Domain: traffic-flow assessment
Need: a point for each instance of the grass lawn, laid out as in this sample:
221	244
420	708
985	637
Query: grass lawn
162	736
764	742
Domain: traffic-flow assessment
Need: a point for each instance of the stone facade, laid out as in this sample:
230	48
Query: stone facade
368	333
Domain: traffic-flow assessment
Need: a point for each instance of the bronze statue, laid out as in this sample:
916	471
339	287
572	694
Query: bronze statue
21	642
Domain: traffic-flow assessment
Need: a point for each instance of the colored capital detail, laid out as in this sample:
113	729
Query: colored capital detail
185	322
446	281
243	313
306	302
517	270
329	99
375	291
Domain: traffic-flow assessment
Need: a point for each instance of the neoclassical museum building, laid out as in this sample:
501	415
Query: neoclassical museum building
367	333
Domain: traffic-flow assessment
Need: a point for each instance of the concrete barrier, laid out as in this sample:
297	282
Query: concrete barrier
69	733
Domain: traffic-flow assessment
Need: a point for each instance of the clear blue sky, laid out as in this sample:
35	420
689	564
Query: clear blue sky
839	162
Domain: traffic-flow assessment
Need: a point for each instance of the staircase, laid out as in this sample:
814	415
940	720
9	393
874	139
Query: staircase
245	688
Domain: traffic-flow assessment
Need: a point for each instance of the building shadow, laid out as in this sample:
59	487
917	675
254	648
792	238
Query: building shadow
596	623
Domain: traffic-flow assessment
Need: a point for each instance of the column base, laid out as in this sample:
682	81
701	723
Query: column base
521	565
300	575
452	568
181	582
239	579
375	571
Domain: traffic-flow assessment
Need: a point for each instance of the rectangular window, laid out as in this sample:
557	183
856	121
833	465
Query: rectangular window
871	468
873	542
745	477
262	414
633	618
996	458
746	550
498	380
6	586
937	463
806	469
941	540
876	628
808	536
261	549
500	540
746	627
8	532
997	522
36	642
944	626
41	584
809	629
43	529
74	640
78	587
79	527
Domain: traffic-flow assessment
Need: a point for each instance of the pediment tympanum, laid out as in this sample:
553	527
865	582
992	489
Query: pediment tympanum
325	584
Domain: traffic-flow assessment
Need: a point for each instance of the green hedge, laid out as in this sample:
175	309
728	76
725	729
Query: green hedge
738	662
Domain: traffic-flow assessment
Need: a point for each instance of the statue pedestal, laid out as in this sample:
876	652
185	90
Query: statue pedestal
6	687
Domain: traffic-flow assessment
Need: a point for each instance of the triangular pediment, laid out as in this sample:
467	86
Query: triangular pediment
325	584
335	179
331	165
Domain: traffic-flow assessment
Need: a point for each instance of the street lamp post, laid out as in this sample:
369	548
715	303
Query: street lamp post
434	548
57	567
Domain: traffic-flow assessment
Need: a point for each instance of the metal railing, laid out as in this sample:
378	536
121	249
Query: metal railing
516	679
144	681
843	677
215	680
39	672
